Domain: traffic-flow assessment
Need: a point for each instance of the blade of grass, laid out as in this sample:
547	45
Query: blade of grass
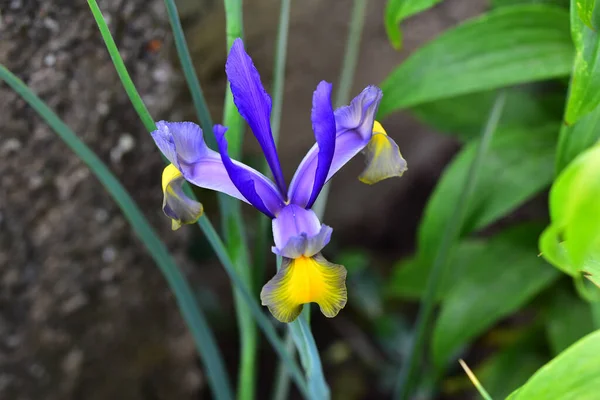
190	73
475	381
136	100
233	224
208	229
450	235
342	97
206	344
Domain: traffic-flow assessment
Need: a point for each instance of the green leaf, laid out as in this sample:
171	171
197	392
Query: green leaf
398	10
519	164
572	375
584	93
588	13
507	46
576	138
568	319
501	279
465	115
504	3
410	275
574	206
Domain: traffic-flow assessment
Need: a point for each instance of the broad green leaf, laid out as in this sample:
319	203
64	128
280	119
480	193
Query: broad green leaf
576	138
398	10
504	47
584	93
410	275
572	375
568	319
574	206
519	164
465	115
501	279
588	13
504	3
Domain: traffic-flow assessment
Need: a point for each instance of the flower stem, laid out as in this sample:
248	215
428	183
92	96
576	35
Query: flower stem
342	97
233	223
264	224
450	235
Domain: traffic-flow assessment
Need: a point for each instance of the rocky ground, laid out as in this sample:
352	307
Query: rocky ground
84	313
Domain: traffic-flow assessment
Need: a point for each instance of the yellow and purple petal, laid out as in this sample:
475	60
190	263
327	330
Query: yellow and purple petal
176	205
354	124
383	158
305	280
183	144
254	104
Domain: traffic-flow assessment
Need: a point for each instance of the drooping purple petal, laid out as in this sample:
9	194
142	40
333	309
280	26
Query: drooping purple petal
323	122
254	104
184	146
298	232
354	125
242	178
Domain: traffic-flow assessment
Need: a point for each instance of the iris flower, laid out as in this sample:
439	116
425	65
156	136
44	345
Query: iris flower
305	275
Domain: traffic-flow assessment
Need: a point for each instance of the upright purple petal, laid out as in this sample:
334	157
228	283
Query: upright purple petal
323	122
254	104
241	177
183	144
354	128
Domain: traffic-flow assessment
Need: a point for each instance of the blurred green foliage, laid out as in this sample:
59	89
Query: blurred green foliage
495	275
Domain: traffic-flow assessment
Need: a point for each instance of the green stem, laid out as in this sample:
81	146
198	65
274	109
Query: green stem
206	344
128	85
282	380
342	97
450	235
233	224
189	72
264	224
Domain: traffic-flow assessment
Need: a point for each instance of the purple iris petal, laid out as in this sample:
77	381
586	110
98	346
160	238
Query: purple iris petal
323	122
183	144
254	104
354	125
298	232
242	178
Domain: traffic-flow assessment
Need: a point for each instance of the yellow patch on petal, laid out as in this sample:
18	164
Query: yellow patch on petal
305	280
383	157
378	128
176	205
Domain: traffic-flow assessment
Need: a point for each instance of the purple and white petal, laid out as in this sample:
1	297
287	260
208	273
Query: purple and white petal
183	144
246	180
323	122
354	128
298	232
254	104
